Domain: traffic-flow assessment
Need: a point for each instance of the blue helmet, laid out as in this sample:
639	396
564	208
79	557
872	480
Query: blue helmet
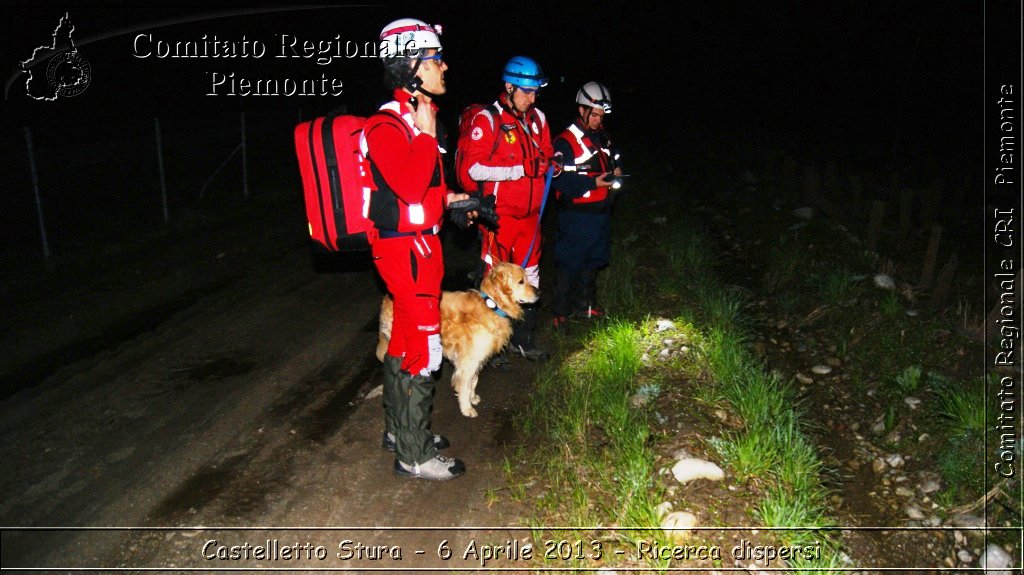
524	72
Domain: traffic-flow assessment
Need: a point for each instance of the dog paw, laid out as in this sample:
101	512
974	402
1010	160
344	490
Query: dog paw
469	412
475	400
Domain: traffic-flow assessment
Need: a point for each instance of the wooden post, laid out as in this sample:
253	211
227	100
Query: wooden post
875	225
906	212
35	189
944	283
929	257
160	166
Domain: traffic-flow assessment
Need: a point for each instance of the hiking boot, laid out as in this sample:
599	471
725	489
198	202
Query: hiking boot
530	353
437	469
560	322
388	442
500	361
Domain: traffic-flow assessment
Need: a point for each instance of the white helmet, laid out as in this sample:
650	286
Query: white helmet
595	95
405	36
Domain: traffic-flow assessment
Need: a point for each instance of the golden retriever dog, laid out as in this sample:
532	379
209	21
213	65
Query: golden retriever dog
471	332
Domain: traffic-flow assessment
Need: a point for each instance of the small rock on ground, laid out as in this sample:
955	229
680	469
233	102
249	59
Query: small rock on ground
885	282
689	469
996	560
677	524
914	513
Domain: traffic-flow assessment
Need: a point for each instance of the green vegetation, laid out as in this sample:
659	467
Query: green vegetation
908	381
962	406
960	411
684	265
597	404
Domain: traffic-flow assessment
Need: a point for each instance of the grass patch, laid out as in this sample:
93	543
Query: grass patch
723	310
760	399
751	454
617	285
961	406
784	265
603	469
688	253
890	306
909	381
786	508
960	459
837	286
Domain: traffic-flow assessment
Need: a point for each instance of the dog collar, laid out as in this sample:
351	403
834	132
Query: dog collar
493	305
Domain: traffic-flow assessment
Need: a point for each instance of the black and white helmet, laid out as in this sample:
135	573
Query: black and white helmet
595	95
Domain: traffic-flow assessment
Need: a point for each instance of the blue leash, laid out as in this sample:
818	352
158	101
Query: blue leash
543	201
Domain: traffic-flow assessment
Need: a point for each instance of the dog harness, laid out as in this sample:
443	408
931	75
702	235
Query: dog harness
493	305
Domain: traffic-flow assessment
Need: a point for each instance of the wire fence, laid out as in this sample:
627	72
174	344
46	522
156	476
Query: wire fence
76	188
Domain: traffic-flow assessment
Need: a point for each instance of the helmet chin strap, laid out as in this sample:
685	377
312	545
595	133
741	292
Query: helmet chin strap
511	104
415	83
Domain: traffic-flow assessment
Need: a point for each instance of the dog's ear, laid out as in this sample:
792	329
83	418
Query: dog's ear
494	277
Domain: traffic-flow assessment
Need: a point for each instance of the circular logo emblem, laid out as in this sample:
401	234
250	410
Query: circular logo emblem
69	73
477	133
536	130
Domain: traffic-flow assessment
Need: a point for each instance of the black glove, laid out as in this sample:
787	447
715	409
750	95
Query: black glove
459	210
486	213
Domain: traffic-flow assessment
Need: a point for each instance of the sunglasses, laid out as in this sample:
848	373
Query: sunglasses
436	57
528	90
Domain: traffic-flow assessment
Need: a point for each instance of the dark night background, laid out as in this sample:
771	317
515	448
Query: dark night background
879	85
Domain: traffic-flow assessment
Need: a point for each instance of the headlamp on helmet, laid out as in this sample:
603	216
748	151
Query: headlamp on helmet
595	95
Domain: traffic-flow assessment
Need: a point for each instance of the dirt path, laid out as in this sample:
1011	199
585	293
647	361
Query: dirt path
245	409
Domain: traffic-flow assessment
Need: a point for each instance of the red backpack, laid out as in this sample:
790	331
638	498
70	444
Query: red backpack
467	183
334	181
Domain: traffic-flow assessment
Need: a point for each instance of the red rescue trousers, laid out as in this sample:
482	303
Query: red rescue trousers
511	241
412	268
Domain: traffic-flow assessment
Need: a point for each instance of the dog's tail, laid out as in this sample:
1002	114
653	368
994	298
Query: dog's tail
384	332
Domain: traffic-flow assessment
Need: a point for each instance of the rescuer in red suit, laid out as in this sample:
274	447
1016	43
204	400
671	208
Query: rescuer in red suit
403	144
509	152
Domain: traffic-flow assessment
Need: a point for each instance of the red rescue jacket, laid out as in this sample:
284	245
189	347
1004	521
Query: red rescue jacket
520	139
406	174
587	161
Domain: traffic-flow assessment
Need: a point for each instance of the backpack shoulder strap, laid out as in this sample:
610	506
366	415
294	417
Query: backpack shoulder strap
484	111
543	118
389	113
